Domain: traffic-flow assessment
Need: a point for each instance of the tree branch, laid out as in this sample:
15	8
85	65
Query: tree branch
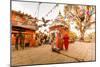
89	24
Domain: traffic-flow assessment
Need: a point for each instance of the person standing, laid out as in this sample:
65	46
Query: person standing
19	40
59	41
66	39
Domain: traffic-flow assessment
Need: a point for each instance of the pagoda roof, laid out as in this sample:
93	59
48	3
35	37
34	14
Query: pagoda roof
22	14
26	26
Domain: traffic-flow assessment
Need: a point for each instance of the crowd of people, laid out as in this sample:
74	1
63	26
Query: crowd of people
59	39
42	38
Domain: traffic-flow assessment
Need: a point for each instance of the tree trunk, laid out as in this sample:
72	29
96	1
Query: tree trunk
82	36
82	31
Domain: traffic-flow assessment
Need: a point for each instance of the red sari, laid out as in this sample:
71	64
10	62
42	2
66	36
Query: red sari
59	43
66	40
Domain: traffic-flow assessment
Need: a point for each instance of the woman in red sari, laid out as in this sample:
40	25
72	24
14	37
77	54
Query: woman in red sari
65	38
59	43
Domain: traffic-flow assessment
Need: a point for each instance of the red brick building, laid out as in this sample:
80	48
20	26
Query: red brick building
24	24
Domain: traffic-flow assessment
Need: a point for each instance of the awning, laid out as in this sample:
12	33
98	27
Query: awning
28	27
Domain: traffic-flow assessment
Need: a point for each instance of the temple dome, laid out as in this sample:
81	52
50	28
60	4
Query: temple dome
59	20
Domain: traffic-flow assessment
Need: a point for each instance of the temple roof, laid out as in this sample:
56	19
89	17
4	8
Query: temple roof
59	20
22	14
33	26
59	17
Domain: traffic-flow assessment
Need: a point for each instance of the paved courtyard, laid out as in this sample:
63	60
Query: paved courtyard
43	54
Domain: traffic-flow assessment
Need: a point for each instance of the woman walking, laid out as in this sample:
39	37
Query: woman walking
65	38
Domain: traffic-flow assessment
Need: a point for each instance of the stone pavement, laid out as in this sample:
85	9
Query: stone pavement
44	55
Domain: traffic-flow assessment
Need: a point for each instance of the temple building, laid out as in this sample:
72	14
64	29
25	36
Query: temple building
60	22
23	28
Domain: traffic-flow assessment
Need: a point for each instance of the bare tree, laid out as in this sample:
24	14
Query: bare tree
81	15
